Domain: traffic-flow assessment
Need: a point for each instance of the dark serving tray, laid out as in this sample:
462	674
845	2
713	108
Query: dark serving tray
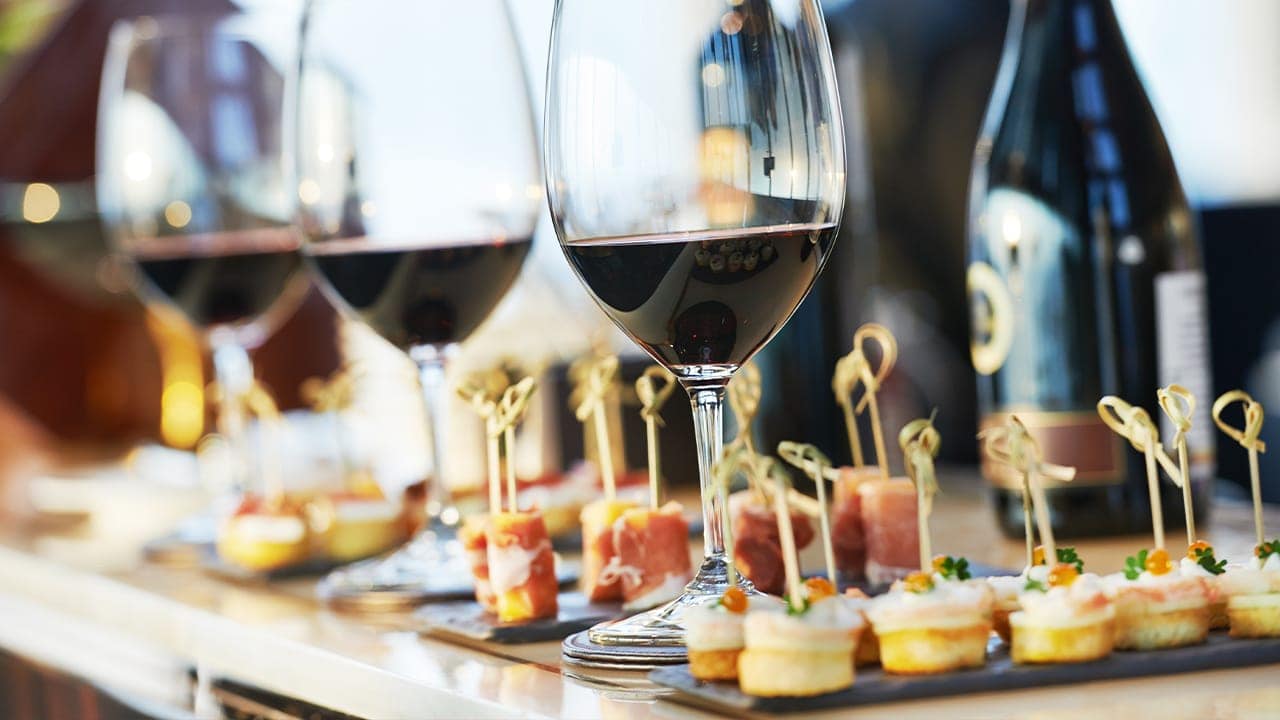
874	686
470	621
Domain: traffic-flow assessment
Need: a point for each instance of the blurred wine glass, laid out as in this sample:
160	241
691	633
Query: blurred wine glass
696	174
193	182
419	187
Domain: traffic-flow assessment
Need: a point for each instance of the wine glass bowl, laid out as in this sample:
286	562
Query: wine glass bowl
419	189
695	172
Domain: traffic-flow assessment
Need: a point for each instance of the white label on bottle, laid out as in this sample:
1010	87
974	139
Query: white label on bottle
1182	344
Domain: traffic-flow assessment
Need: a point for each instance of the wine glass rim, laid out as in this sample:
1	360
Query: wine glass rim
148	28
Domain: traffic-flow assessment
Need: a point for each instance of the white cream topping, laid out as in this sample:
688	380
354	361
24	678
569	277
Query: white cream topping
826	627
509	566
269	528
712	627
1084	601
947	605
1272	563
1190	568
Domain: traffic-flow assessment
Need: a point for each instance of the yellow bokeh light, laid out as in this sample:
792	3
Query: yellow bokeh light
182	413
40	203
177	214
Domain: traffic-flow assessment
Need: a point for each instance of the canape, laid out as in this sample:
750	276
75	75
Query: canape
1156	607
261	535
1253	593
521	567
1066	618
598	550
757	548
713	636
799	652
1200	562
475	543
889	522
354	525
868	651
926	626
652	564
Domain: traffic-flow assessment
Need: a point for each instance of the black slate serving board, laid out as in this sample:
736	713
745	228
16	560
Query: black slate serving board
445	589
468	620
873	686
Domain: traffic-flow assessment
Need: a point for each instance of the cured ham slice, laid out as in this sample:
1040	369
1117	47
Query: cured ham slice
652	563
598	550
757	549
889	525
847	537
476	546
521	567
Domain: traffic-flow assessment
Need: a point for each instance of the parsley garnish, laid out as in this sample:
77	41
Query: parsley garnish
1204	558
1068	556
1035	585
1267	548
1134	566
954	568
793	610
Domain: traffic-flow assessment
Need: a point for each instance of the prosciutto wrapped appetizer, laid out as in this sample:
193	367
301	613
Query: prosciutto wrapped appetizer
521	567
757	548
889	523
475	544
848	538
598	549
652	563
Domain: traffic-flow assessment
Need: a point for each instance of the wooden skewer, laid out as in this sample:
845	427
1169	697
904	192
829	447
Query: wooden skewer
815	464
651	401
920	441
1179	405
855	369
599	379
511	410
1013	445
1248	438
1134	424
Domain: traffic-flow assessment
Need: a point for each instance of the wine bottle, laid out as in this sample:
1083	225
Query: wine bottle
1085	276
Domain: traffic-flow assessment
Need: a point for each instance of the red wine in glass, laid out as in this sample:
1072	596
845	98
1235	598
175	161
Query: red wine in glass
414	296
222	279
710	298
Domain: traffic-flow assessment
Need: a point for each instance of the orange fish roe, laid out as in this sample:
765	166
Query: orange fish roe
1158	562
734	600
1063	574
817	588
917	582
1197	547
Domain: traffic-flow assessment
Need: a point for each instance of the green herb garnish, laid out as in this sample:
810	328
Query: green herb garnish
1204	558
1134	566
1068	556
793	610
952	568
1035	585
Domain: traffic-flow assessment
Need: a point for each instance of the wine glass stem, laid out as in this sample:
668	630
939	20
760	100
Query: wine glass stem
234	373
708	428
431	377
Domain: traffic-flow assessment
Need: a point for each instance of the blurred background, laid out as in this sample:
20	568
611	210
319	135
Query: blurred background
86	373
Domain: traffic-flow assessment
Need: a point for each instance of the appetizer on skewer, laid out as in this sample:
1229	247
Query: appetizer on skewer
351	525
714	636
1068	617
265	534
1179	405
522	568
652	563
1155	606
808	649
1252	591
927	624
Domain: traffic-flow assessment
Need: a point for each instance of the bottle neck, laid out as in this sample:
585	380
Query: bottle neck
1084	28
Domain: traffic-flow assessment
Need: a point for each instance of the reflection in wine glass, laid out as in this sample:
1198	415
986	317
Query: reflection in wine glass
192	182
695	171
418	180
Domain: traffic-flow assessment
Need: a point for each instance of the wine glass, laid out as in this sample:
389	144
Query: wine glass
419	182
192	185
695	170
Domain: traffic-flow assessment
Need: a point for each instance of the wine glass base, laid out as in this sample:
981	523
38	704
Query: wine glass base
431	566
663	626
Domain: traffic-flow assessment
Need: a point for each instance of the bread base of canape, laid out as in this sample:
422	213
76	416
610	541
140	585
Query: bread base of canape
1254	616
1059	644
925	651
769	672
1137	629
714	664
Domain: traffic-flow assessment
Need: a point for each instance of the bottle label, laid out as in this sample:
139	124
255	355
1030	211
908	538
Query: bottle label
1077	439
1182	345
